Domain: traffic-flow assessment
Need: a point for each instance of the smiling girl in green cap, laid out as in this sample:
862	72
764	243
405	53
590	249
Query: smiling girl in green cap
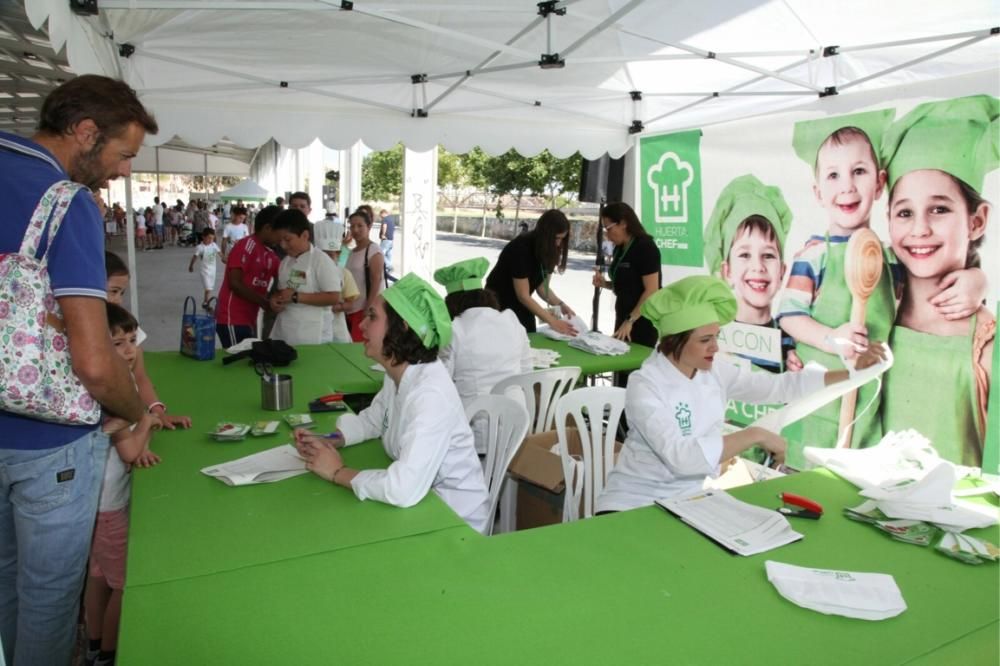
938	156
676	402
417	414
487	345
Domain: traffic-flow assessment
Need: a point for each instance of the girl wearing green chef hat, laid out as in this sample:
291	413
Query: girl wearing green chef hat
938	156
676	402
487	345
743	245
418	413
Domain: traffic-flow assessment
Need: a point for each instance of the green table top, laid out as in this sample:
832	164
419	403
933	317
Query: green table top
354	353
637	587
184	523
591	364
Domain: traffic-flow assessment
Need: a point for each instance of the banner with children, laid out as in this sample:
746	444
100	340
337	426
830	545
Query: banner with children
873	223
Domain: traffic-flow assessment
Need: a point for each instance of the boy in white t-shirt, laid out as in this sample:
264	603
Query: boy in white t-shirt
309	283
235	230
207	251
106	571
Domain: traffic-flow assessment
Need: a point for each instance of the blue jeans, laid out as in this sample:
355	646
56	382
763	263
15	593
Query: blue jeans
386	246
48	504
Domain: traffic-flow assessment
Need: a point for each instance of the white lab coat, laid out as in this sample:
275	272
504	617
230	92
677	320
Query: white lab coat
486	346
301	324
675	426
423	429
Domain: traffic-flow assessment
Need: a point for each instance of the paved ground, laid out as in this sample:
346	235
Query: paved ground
163	283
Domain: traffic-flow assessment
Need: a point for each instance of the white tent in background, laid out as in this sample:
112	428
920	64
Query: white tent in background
246	190
564	75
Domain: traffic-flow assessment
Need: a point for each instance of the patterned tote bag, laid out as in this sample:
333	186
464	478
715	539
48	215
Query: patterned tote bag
36	373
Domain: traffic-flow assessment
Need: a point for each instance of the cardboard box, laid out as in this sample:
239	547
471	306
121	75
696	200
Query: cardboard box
541	487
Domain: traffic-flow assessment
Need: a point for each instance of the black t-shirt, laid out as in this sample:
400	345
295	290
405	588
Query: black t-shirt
627	268
516	260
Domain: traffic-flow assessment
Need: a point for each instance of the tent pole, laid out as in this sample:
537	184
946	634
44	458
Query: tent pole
156	154
133	294
478	68
935	54
268	83
600	27
918	40
394	17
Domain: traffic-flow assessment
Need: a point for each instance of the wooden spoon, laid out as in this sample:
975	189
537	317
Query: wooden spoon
862	270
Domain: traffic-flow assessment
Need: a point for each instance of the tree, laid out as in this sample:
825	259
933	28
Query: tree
382	174
211	183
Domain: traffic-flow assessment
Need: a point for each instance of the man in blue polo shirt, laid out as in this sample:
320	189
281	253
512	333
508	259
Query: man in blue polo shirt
50	474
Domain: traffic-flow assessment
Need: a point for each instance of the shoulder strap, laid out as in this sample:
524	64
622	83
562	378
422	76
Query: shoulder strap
51	207
368	278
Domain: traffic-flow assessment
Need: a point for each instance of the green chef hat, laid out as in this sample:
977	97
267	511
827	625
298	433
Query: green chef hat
810	135
689	303
421	308
462	276
957	136
743	197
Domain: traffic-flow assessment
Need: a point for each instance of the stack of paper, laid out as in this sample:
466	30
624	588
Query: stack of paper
281	462
742	528
593	342
865	596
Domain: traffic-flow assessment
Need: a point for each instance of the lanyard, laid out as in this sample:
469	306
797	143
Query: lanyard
545	280
616	261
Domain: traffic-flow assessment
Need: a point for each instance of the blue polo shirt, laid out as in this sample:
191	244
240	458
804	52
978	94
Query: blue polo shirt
75	261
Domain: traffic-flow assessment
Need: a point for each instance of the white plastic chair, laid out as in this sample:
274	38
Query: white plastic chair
541	390
595	412
505	425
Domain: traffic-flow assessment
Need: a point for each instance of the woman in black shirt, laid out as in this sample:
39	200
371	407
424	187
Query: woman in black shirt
635	272
525	266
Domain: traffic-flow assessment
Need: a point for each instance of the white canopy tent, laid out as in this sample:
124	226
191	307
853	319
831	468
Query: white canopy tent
246	190
564	75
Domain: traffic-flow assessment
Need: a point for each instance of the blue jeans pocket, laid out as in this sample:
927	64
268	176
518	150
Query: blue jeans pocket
54	480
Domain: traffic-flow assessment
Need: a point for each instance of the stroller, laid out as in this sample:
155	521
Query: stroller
186	237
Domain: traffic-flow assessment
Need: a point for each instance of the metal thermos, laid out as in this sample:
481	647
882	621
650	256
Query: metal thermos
276	392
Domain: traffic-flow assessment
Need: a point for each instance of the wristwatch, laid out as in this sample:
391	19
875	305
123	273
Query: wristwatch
295	297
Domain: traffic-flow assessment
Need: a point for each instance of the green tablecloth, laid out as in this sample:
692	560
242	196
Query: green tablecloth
591	364
185	523
637	587
354	353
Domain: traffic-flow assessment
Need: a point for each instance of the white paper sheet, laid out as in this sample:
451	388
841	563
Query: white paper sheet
743	528
277	464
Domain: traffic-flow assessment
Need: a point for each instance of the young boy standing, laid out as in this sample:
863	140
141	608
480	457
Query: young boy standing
815	307
106	574
207	251
250	267
309	285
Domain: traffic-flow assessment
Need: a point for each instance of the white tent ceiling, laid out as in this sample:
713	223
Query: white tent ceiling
295	70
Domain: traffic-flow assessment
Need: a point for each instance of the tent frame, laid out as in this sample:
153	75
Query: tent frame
547	11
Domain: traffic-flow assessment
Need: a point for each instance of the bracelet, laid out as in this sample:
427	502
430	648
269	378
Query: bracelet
333	479
154	405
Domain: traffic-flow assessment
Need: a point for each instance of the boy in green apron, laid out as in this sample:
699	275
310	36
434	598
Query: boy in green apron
816	304
937	158
743	245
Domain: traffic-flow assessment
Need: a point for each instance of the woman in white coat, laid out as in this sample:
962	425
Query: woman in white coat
487	345
676	402
417	413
